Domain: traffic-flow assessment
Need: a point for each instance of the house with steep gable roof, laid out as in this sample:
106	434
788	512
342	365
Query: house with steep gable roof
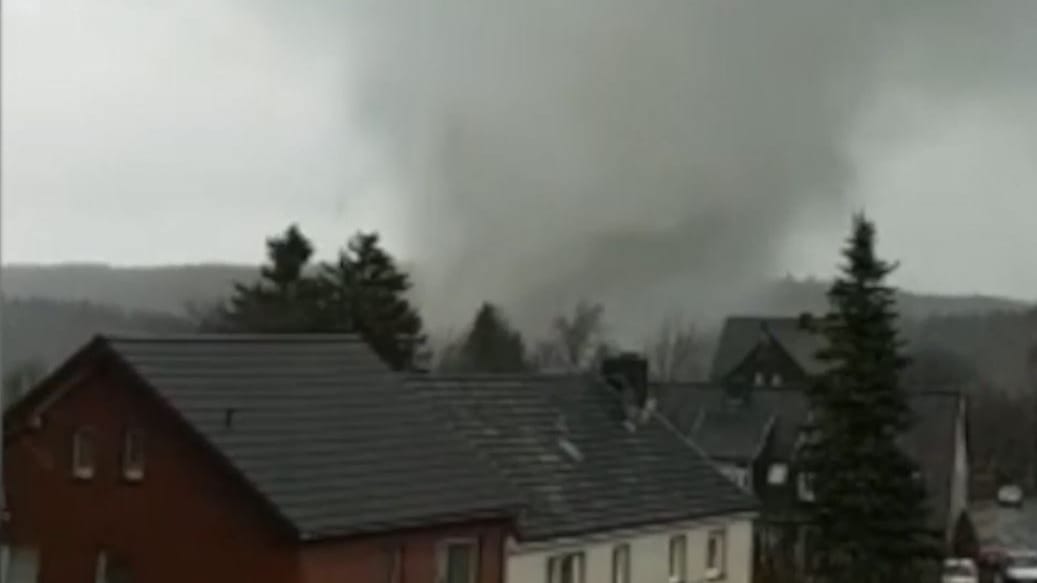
279	458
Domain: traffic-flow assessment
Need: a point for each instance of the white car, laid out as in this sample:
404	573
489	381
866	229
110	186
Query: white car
1019	567
959	571
1010	495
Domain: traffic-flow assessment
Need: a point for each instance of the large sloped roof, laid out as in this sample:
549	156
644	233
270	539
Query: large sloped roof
617	478
320	428
734	430
741	334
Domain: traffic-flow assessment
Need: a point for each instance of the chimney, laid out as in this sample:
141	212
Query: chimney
628	372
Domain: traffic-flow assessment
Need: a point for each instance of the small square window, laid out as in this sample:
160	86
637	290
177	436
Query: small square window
133	455
458	561
777	474
776	380
716	555
678	559
83	454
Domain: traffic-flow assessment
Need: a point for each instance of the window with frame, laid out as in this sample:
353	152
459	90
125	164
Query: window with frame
133	455
736	474
716	555
111	568
805	487
23	563
566	568
678	559
777	474
394	565
621	563
83	454
458	561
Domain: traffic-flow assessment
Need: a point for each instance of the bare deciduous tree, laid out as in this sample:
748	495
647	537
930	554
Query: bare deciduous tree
575	341
675	351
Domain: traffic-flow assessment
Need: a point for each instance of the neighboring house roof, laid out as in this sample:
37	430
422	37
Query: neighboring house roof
736	429
616	479
320	428
741	334
732	435
931	441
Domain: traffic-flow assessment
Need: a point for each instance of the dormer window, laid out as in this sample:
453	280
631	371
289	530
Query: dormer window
83	454
806	488
133	455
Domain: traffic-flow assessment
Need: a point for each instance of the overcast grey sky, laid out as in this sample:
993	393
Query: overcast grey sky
526	147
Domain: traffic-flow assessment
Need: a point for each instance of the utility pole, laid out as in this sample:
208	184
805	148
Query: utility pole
5	551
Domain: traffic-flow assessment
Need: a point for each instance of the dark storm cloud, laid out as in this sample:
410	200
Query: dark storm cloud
662	153
609	148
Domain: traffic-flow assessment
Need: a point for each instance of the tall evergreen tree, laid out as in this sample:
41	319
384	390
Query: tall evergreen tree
492	345
365	291
285	299
869	517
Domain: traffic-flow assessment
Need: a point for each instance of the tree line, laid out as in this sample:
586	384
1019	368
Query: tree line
365	291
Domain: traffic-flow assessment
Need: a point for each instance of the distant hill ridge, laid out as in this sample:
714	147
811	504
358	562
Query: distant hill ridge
49	310
171	288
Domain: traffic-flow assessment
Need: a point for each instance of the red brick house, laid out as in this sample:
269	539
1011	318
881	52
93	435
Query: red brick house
242	458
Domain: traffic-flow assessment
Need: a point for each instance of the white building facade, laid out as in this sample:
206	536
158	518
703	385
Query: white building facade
716	549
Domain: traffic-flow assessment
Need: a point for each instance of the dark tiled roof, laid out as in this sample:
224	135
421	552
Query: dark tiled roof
686	404
731	434
618	479
930	441
742	333
321	429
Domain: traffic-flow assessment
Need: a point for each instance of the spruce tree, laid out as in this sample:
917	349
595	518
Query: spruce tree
868	515
492	345
284	299
366	292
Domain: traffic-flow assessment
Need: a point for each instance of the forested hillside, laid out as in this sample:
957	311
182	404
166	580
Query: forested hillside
52	309
44	331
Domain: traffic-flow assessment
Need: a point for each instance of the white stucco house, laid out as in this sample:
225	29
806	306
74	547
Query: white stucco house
613	493
718	549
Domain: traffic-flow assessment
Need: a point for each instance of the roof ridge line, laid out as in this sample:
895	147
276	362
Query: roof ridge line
232	337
